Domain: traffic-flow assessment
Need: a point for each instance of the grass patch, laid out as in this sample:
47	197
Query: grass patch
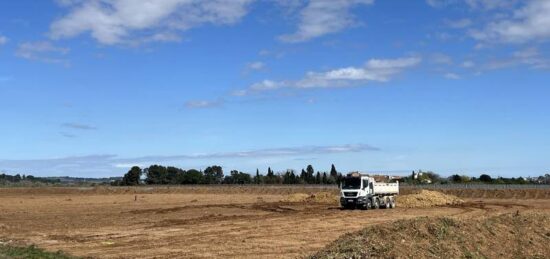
30	252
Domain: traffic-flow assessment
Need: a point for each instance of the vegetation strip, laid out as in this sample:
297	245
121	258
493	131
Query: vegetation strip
32	252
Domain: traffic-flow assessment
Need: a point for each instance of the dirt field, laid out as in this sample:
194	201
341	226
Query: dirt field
205	222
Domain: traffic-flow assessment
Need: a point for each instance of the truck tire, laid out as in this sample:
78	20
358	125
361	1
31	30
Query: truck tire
386	203
393	203
375	203
367	205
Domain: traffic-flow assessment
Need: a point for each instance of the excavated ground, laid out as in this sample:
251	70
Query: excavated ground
512	235
205	221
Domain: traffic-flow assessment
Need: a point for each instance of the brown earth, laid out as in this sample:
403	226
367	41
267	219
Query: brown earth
203	221
513	235
420	199
426	198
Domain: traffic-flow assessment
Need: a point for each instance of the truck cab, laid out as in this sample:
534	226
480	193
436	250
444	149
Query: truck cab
362	191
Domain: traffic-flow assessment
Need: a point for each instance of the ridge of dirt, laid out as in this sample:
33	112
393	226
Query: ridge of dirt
511	235
420	199
319	197
426	198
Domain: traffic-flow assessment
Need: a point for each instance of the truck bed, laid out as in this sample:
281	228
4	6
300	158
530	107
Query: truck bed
386	188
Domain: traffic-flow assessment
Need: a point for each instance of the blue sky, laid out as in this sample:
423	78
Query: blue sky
91	87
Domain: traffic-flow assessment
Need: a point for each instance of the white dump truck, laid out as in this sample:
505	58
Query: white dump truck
362	191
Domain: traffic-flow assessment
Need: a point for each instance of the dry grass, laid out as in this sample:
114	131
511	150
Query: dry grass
504	236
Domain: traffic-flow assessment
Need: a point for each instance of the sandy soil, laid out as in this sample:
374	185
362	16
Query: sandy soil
201	223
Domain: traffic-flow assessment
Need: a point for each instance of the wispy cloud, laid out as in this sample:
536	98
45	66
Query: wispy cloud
109	164
459	24
468	64
3	40
203	104
441	59
452	76
255	66
474	4
528	23
527	57
380	70
322	17
67	135
129	21
78	126
43	51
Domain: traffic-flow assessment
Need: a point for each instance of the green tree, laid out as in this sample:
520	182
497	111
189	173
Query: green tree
333	172
485	178
156	174
192	176
318	178
303	176
270	178
132	177
213	175
237	177
258	177
310	178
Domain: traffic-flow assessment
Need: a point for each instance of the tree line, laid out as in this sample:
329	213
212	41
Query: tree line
159	175
428	177
6	178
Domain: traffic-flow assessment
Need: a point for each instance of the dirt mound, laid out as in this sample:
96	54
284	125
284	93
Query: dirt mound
425	198
505	236
319	197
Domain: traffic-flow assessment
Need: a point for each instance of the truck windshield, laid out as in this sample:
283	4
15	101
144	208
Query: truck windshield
351	183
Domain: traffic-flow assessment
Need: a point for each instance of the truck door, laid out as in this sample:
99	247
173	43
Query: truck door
366	185
371	187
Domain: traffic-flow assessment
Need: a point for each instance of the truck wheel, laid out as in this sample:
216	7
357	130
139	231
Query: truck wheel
388	203
375	204
393	203
367	205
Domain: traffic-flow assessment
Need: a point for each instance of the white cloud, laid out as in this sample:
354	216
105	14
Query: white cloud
441	59
473	4
528	57
78	126
380	70
460	24
529	23
67	135
109	165
3	40
468	64
43	51
322	17
202	104
490	4
128	21
452	76
255	66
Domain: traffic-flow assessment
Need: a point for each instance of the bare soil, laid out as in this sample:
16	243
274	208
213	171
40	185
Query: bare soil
202	222
512	235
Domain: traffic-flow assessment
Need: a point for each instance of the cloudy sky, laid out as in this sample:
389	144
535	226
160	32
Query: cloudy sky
92	87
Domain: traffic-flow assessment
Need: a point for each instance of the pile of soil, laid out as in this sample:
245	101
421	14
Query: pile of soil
426	198
503	236
319	197
421	199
